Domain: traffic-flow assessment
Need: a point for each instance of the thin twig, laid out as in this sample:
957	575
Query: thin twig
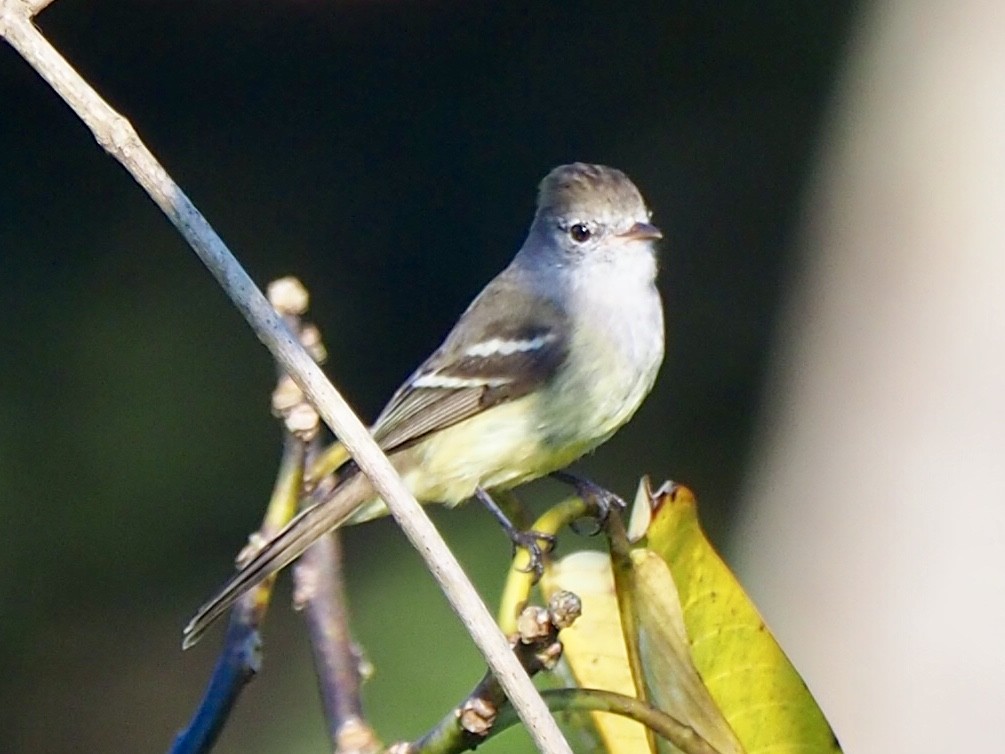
683	737
119	138
238	663
320	583
321	595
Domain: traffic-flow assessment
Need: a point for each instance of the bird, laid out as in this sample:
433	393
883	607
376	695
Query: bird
555	354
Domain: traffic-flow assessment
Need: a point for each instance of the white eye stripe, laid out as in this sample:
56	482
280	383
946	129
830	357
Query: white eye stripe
500	347
435	380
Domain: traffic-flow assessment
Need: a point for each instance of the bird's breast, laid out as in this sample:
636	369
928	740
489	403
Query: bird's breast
615	355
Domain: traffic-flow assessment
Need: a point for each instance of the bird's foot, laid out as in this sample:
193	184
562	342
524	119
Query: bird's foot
600	500
531	541
536	543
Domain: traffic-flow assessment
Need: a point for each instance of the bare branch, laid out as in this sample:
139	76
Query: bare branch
119	138
320	592
239	662
318	574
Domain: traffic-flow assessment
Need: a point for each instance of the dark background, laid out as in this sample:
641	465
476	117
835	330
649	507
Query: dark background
388	155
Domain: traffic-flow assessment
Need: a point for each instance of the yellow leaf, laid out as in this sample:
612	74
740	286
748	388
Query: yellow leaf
752	682
672	681
594	650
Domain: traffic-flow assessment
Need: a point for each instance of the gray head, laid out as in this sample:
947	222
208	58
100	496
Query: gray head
581	207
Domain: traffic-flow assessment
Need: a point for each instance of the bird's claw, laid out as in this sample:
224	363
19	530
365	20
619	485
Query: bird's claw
531	542
599	499
602	500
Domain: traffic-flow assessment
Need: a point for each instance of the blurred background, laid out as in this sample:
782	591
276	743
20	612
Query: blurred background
829	180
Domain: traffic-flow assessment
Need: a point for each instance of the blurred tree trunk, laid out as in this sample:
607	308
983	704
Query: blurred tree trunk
874	528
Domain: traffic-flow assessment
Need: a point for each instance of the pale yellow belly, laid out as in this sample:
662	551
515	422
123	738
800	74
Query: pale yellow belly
501	447
513	443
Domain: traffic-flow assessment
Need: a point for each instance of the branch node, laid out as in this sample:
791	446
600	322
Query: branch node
251	652
564	608
356	737
310	338
533	624
305	588
288	296
477	715
118	137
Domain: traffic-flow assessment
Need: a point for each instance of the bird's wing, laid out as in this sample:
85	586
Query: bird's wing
510	341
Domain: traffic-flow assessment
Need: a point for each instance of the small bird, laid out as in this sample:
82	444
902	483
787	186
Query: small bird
550	359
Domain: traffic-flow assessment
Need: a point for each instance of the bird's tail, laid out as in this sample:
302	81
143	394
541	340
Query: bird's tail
289	544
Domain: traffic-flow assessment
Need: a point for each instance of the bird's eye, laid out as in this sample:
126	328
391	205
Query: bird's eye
580	233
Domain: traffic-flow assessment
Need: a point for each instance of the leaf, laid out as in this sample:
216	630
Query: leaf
594	648
763	698
672	681
656	632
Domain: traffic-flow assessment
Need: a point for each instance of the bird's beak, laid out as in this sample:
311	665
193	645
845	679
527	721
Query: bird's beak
642	232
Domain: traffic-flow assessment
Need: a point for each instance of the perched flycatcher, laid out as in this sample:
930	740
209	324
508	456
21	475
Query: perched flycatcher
551	358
